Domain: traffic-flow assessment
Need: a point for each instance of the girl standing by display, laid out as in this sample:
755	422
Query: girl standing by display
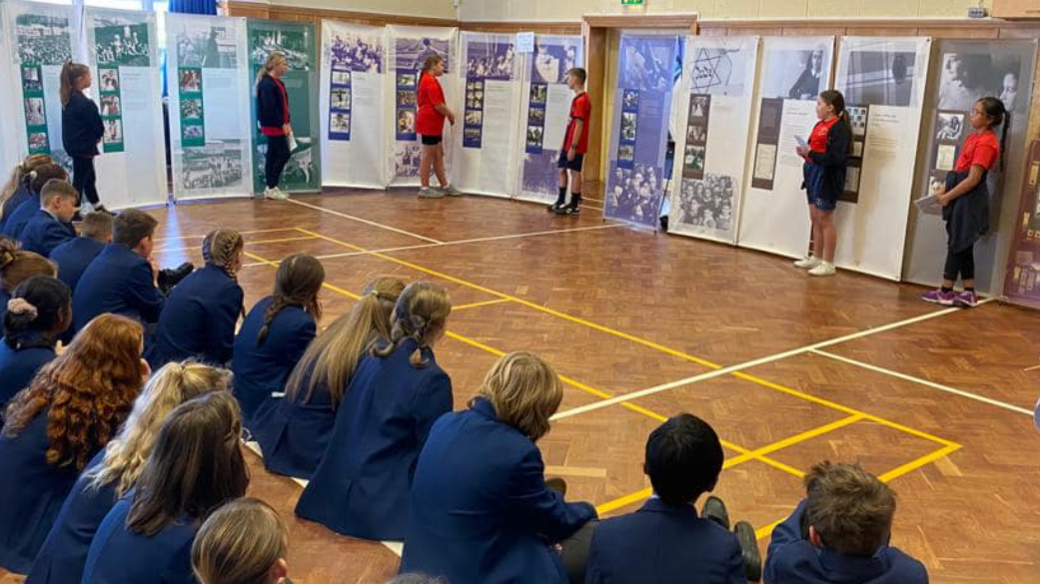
272	113
429	125
81	130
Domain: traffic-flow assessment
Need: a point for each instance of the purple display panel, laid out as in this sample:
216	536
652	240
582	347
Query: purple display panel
410	54
485	60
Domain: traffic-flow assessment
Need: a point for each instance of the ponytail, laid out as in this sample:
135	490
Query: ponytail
19	178
995	109
835	99
269	64
70	76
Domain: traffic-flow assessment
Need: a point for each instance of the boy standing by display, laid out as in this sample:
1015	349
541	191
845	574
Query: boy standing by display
575	145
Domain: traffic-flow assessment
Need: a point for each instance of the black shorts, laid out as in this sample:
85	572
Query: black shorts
574	165
430	140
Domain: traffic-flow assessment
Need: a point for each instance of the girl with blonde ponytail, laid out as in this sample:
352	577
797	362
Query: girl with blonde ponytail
81	130
396	395
272	113
16	190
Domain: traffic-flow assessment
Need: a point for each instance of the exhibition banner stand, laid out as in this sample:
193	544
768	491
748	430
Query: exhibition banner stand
1022	283
353	101
9	152
883	81
298	42
715	96
639	127
209	85
409	48
545	111
773	215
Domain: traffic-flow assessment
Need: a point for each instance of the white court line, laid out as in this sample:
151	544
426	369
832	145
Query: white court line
753	363
925	382
365	221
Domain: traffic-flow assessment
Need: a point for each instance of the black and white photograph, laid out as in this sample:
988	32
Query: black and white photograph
109	79
534	136
720	71
707	202
630	100
699	106
121	43
490	60
628	126
475	100
355	52
696	134
547	66
110	106
203	45
538	93
190	80
474	117
294	44
693	159
212	167
935	182
31	79
340	77
406	159
191	108
38	142
795	74
192	132
857	148
114	131
406	80
405	121
945	157
635	193
42	39
851	181
857	119
536	115
626	152
471	134
411	53
978	71
339	99
648	63
34	114
880	77
406	97
339	122
949	126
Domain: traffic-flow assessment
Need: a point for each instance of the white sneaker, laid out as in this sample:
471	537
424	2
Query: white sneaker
429	193
450	191
275	194
823	269
282	193
807	263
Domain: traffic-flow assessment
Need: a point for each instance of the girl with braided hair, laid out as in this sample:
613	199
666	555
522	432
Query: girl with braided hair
293	434
17	266
276	333
198	321
361	487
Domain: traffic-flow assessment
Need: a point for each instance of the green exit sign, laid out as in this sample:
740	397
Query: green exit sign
632	2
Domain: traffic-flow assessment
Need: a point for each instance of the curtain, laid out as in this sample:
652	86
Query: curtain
194	6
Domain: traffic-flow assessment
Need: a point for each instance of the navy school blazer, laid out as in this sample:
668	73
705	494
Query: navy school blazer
361	485
20	196
73	257
480	508
664	544
19	216
120	282
261	370
793	559
43	232
293	434
198	320
17	369
81	126
120	556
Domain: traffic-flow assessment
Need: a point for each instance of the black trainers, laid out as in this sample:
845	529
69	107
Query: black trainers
555	207
749	546
715	510
169	278
569	210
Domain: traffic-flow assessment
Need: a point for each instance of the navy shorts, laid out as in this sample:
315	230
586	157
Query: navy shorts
574	165
430	140
815	191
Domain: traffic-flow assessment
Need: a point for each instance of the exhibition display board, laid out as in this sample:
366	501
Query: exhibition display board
773	215
209	124
1022	284
409	48
298	42
353	102
639	127
714	101
883	80
545	113
124	55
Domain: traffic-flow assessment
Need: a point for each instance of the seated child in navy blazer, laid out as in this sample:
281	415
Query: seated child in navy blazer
55	426
361	485
195	467
17	266
840	533
294	433
243	541
122	278
75	255
113	472
16	190
198	321
276	333
16	218
481	510
39	313
666	541
51	225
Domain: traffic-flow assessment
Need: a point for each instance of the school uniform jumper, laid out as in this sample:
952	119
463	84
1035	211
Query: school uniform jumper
665	544
32	491
20	196
81	129
480	508
120	282
263	369
73	257
43	232
825	166
18	367
793	559
361	485
64	552
272	112
119	556
293	434
198	320
967	216
15	222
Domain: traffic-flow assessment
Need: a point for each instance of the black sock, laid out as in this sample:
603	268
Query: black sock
969	289
947	289
575	199
562	198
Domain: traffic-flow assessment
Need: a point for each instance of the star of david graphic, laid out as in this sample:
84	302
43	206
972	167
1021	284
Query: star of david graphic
706	69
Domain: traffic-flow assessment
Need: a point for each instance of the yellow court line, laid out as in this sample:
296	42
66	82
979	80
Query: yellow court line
479	304
251	232
262	241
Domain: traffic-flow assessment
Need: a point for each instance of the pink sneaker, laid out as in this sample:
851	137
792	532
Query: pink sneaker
939	297
967	299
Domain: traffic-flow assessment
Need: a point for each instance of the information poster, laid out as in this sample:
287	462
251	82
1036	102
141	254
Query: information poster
717	88
967	72
545	113
409	48
353	102
123	50
774	215
1022	283
488	111
639	127
210	83
883	81
9	153
298	42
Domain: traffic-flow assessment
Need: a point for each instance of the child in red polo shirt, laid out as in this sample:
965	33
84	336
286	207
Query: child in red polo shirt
965	202
429	124
575	144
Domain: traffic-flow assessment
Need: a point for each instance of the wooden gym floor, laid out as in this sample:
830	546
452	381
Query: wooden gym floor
790	370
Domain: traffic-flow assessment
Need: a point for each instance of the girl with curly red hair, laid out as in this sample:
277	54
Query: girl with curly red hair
54	427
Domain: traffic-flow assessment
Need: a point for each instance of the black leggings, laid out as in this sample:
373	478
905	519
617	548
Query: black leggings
277	158
960	263
85	180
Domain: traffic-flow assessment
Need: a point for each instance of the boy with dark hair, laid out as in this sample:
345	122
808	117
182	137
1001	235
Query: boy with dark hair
575	145
75	255
51	225
840	533
666	542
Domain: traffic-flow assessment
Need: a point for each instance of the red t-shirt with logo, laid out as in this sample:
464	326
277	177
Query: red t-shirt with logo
581	109
428	121
981	149
820	133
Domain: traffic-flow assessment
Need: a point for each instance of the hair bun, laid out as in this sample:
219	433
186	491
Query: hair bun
22	306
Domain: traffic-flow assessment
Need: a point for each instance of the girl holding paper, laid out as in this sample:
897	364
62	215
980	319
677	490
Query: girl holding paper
272	113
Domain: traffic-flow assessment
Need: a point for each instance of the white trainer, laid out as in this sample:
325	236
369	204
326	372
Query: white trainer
824	269
807	263
275	194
